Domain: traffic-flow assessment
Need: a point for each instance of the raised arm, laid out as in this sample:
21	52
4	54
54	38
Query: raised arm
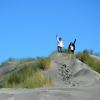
57	37
74	41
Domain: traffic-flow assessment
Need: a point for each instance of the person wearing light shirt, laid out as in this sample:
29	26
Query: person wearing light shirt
60	43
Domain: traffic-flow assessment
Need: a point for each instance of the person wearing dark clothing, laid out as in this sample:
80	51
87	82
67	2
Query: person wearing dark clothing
71	46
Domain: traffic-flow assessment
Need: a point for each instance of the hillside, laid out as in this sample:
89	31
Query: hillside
70	78
67	71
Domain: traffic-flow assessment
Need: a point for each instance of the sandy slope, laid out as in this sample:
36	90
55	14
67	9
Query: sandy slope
73	80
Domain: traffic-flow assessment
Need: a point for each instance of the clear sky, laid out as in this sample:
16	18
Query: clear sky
28	27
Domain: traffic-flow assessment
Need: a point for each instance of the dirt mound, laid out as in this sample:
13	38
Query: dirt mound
73	80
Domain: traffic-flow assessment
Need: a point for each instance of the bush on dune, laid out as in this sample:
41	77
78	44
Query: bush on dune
29	76
44	63
87	59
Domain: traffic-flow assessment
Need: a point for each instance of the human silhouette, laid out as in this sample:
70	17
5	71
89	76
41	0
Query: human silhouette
71	46
60	43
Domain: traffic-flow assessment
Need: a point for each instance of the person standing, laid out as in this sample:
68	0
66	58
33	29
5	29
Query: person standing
72	46
60	44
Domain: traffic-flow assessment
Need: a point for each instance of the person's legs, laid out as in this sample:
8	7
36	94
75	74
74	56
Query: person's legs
58	49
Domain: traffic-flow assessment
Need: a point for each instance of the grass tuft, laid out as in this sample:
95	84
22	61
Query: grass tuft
90	61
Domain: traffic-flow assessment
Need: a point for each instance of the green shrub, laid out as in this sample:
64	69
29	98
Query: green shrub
87	59
38	81
29	76
68	51
18	77
13	79
27	71
44	63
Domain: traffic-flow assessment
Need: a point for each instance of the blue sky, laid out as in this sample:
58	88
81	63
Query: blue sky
28	27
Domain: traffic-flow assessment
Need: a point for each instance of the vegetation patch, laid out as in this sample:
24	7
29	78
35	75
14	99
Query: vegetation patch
44	63
90	61
29	76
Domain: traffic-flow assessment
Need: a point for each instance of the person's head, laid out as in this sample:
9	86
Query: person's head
60	39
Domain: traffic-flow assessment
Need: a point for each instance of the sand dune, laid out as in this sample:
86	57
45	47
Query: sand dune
73	80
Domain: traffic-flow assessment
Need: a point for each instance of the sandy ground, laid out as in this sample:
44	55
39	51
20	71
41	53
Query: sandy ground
73	80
